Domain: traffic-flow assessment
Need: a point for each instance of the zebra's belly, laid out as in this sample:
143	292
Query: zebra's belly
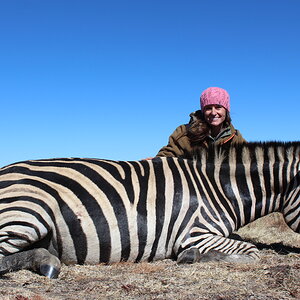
133	243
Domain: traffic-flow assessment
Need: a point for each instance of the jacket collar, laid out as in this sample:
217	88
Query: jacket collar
223	134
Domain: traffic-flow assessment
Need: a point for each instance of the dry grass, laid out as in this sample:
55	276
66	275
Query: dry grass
270	229
274	277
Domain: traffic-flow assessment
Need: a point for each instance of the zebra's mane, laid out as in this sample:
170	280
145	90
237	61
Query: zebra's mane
264	151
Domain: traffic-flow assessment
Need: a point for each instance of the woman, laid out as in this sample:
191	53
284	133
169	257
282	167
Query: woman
211	125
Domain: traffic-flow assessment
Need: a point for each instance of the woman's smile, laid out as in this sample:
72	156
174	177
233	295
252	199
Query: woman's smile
214	114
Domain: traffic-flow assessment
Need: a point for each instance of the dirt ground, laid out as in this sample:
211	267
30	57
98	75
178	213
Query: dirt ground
275	276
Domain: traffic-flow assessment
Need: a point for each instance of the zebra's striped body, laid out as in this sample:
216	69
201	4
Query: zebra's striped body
91	211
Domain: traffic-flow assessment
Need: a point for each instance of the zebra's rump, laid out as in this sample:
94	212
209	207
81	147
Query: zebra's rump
95	210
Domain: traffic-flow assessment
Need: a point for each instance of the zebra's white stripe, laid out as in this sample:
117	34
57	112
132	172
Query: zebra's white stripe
232	178
271	157
164	249
151	213
247	165
259	155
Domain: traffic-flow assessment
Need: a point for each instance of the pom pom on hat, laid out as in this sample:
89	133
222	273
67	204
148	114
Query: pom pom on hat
215	95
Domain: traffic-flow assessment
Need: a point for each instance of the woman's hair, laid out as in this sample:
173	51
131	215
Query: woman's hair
199	129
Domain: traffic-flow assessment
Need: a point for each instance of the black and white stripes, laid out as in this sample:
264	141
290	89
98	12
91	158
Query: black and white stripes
90	210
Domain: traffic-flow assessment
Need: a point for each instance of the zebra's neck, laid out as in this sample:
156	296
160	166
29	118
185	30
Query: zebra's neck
250	181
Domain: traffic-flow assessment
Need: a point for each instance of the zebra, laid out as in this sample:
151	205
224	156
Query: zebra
90	211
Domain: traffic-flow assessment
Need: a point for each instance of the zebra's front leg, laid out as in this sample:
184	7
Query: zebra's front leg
39	260
211	247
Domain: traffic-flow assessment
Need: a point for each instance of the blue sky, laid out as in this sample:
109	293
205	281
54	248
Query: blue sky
113	79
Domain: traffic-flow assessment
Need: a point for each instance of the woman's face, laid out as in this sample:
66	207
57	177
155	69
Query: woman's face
215	114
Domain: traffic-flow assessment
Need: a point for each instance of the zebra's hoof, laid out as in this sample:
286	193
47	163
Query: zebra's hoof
213	255
49	271
189	256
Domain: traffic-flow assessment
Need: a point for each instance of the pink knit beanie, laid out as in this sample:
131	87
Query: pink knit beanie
215	95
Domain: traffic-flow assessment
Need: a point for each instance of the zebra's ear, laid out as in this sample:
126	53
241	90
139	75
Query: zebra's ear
196	115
